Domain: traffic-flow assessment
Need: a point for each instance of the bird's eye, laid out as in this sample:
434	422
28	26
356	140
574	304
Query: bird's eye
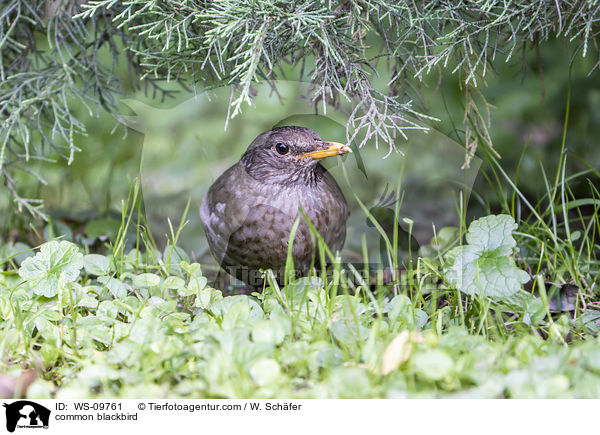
282	148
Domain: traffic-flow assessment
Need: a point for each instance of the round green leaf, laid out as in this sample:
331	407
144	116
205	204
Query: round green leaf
146	280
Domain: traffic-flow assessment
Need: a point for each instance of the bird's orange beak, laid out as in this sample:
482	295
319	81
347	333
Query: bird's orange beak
334	149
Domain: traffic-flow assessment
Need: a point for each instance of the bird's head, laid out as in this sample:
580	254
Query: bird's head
288	155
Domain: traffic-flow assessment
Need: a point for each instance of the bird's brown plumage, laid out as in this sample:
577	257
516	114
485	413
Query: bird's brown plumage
249	211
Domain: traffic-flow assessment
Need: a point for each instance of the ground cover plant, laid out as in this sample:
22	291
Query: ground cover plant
96	300
139	324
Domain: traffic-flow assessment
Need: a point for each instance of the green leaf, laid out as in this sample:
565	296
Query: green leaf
88	301
172	258
146	280
434	364
237	310
268	331
5	308
442	241
114	286
265	371
174	283
203	298
96	264
349	335
17	252
493	233
197	283
191	269
485	265
54	260
108	309
206	297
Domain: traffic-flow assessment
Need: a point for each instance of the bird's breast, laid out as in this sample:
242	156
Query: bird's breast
249	222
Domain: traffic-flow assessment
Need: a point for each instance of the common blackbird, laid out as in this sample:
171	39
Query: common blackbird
249	211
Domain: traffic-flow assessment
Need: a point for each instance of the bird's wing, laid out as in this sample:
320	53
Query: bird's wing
221	211
335	235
